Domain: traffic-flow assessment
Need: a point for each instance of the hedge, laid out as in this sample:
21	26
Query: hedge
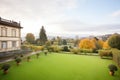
107	53
116	56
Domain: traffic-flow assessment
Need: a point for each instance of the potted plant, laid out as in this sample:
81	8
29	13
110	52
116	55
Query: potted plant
21	55
28	58
5	68
45	52
18	60
15	57
112	69
37	54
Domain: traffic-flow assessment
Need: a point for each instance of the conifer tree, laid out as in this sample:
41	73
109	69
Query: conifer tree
42	36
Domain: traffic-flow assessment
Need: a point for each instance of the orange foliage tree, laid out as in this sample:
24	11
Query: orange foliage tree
98	43
86	44
105	45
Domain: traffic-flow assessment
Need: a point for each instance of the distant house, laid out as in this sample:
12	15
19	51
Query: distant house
10	35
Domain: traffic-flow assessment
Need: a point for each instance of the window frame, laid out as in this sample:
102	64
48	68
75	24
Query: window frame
3	31
4	44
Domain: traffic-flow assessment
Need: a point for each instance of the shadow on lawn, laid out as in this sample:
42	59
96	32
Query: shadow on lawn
108	58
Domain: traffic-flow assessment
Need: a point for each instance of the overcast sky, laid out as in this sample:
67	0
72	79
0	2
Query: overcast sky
64	17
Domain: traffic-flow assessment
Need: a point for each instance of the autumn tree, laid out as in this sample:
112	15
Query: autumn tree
114	41
106	45
98	43
30	38
86	44
42	36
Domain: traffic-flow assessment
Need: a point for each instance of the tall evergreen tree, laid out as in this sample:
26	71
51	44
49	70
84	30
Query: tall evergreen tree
64	42
42	36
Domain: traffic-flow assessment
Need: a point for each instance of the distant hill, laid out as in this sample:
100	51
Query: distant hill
102	37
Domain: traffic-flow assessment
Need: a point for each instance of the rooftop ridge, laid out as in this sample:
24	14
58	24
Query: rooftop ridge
10	23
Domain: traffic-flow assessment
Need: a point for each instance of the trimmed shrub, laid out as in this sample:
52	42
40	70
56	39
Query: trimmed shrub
55	48
50	49
32	47
37	55
28	58
112	69
86	50
25	47
45	52
5	68
107	53
114	41
65	48
37	48
75	50
18	60
116	56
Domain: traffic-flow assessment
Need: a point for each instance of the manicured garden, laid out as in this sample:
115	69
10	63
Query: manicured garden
56	66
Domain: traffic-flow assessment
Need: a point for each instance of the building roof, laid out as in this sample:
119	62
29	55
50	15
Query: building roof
9	23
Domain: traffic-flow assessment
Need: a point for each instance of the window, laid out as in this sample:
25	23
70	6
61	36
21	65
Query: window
4	44
3	31
13	32
13	43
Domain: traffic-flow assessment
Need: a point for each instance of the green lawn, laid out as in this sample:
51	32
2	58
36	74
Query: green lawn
61	67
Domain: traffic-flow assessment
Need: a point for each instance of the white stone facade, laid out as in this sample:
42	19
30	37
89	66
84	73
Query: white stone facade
10	36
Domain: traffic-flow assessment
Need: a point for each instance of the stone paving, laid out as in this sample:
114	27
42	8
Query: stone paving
4	61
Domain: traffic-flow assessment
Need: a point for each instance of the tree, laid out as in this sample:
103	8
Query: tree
86	44
30	38
98	43
65	48
47	45
64	42
114	41
42	36
76	41
106	45
59	40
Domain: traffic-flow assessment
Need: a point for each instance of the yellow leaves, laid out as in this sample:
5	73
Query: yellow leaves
93	44
99	44
105	45
86	44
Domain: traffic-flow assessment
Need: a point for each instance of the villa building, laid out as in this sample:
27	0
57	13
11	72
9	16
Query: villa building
10	35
